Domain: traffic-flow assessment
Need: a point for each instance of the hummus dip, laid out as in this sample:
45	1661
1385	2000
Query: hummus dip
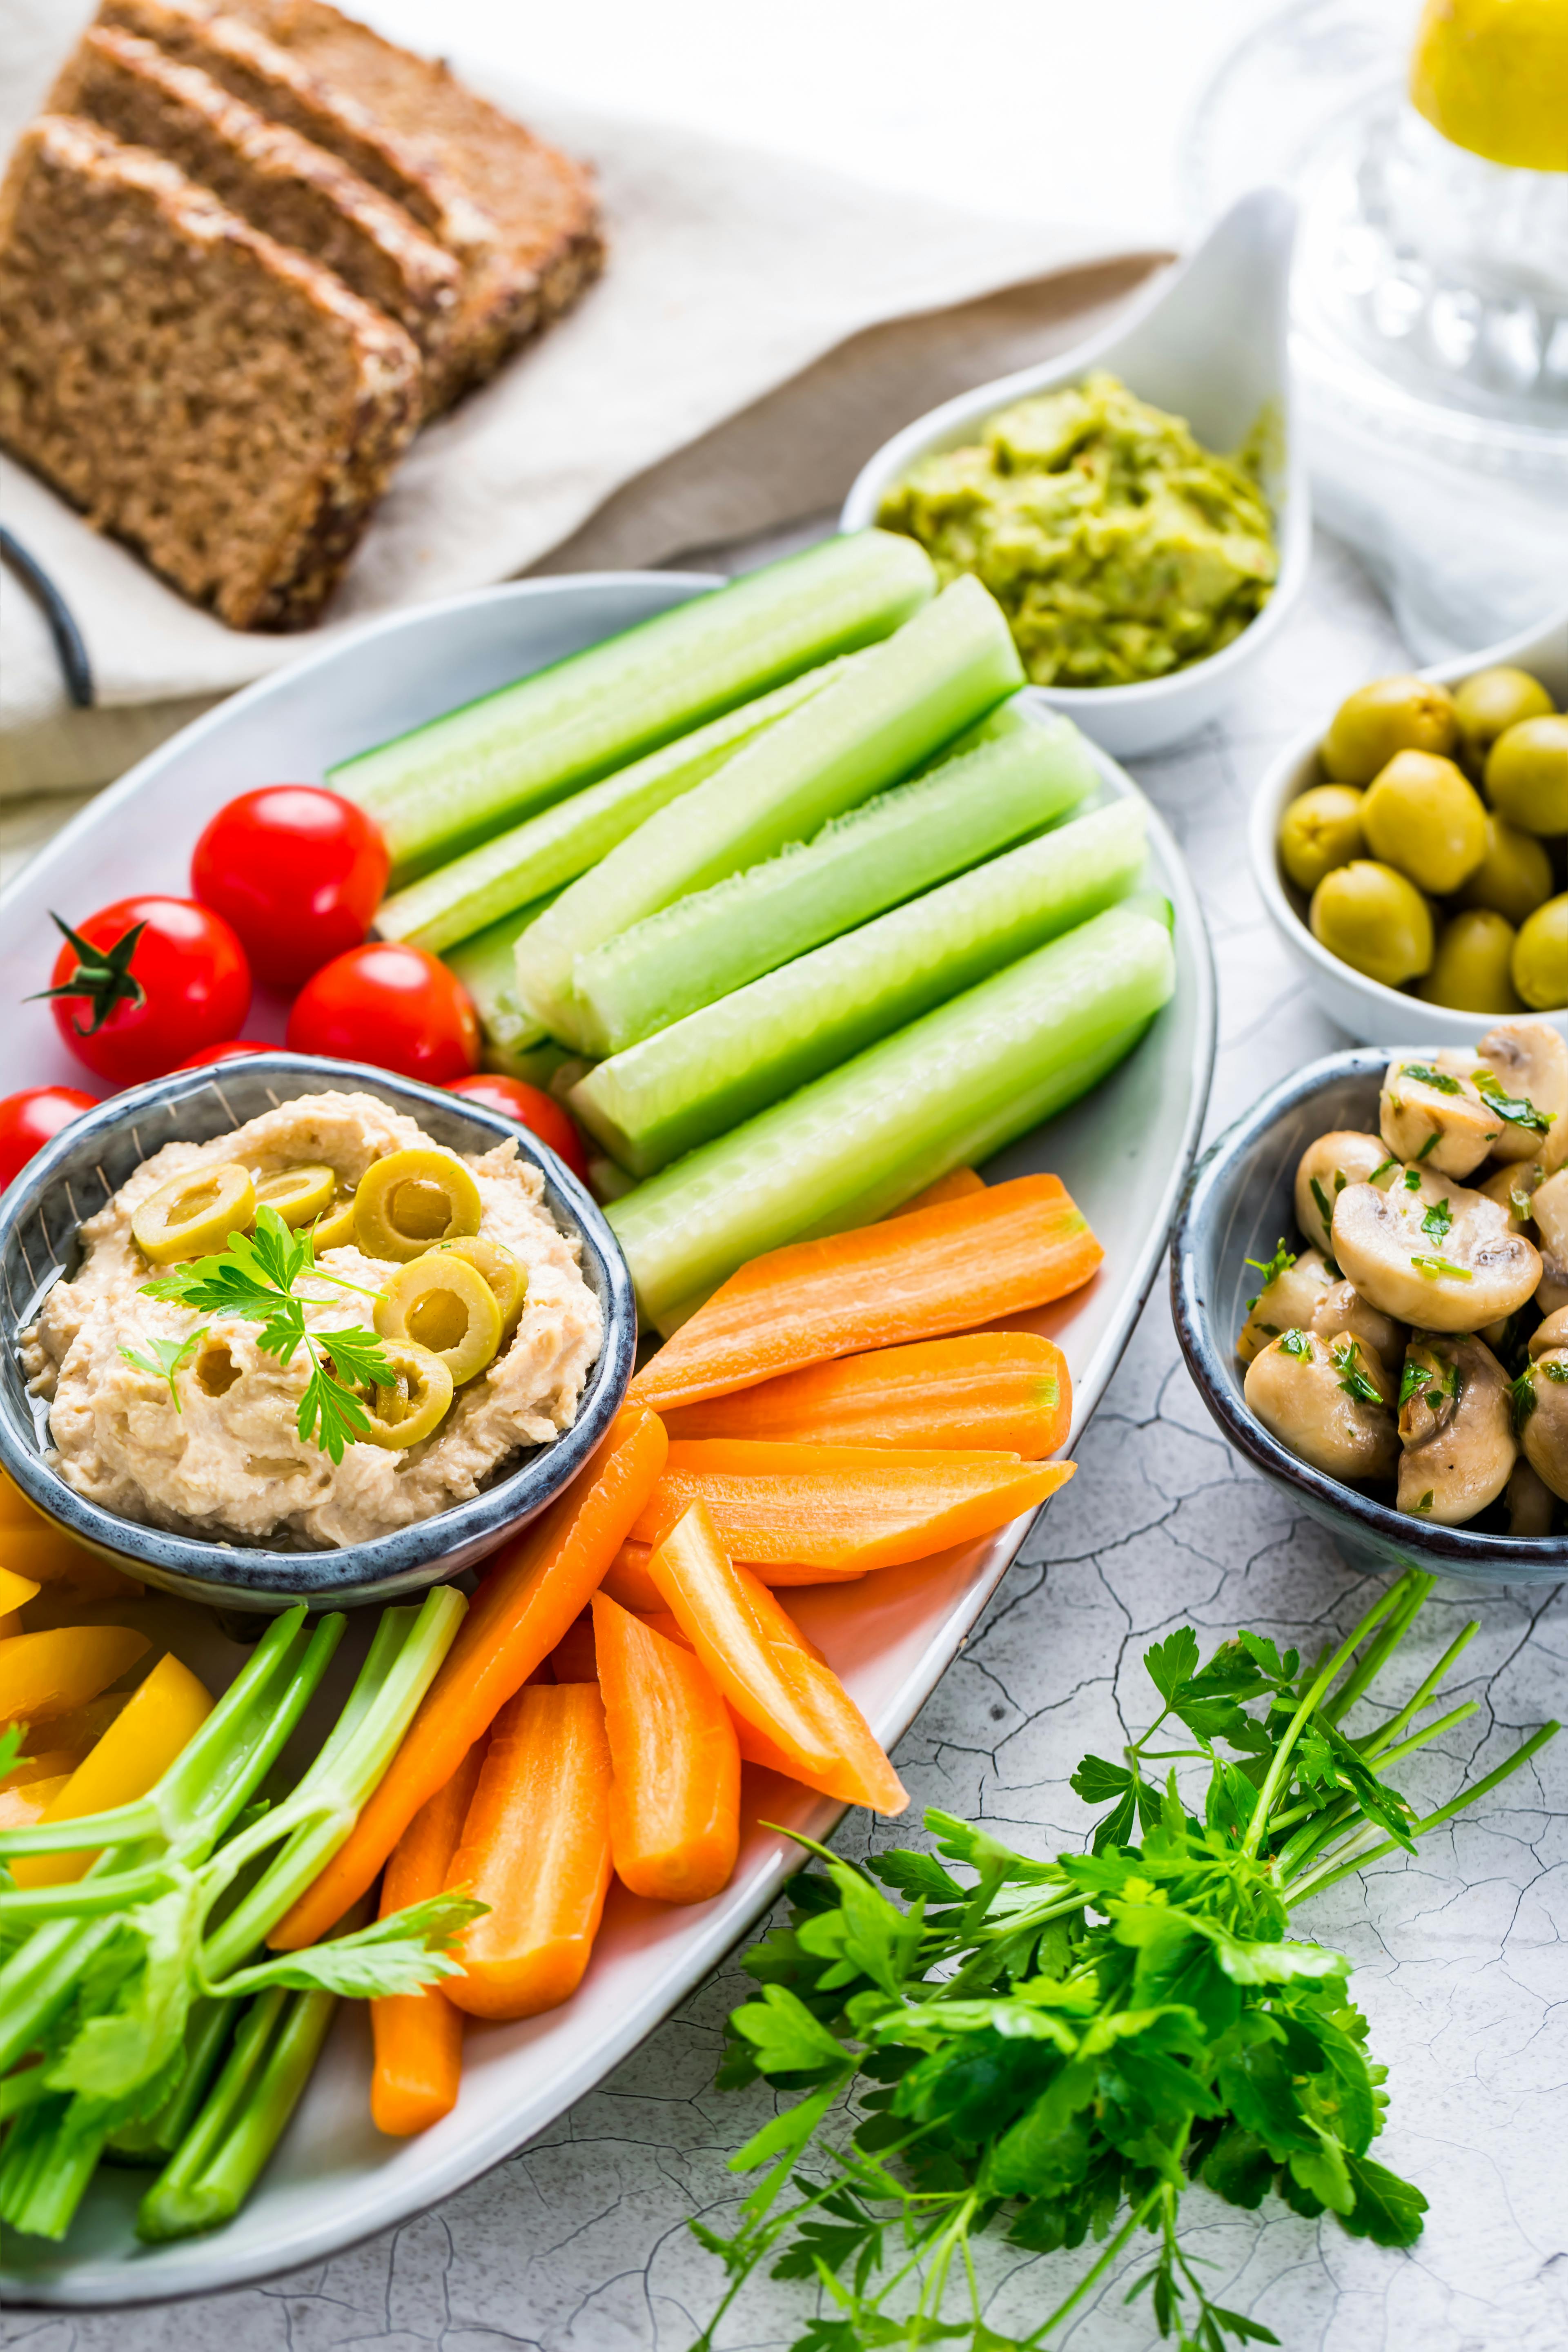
230	1463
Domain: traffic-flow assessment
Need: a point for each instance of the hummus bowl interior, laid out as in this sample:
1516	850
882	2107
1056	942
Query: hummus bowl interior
77	1175
1237	1204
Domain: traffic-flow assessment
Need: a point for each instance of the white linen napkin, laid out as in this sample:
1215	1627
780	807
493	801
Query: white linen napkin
761	327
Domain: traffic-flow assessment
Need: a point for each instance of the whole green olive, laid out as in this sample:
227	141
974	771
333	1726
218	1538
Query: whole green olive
1392	714
1321	830
1527	774
1423	818
1539	963
1376	920
1470	969
1514	876
1492	701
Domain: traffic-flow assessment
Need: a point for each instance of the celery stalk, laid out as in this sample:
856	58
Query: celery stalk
715	941
719	1066
942	671
438	789
950	1088
533	860
486	966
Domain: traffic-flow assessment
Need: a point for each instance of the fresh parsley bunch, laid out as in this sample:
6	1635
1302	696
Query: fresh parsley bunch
258	1276
1057	2049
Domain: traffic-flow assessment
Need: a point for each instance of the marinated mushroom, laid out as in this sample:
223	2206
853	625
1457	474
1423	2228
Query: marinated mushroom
1437	1256
1511	1187
1342	1308
1553	1333
1329	1401
1529	1064
1325	1167
1549	1208
1293	1288
1456	1428
1432	1113
1531	1502
1541	1414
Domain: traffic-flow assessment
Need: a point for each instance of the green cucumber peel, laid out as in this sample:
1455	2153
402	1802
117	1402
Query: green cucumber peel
943	1092
903	702
892	847
441	788
532	861
722	1065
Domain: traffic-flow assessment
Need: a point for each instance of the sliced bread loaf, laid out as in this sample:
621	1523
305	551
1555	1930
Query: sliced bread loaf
225	405
272	177
512	282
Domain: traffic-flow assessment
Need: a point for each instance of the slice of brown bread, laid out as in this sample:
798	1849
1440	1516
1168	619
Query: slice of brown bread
273	178
220	402
515	277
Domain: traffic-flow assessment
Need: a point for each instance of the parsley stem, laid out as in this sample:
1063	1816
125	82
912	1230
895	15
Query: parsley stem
1416	1585
1134	2223
1338	1868
1278	1772
1376	1743
1293	1856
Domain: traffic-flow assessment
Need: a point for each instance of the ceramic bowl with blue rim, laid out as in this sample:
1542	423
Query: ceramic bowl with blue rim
41	1212
1239	1202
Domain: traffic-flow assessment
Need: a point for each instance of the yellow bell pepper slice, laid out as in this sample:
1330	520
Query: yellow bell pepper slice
158	1718
45	1675
20	1807
15	1591
80	1729
33	1546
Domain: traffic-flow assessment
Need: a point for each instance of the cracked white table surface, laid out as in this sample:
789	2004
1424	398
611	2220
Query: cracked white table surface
579	2244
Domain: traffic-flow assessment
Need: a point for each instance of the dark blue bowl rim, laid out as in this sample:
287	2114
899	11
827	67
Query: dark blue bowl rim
330	1574
1543	1557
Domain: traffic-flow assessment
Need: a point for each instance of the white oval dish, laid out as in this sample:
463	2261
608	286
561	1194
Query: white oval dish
1369	1012
1209	340
1123	1152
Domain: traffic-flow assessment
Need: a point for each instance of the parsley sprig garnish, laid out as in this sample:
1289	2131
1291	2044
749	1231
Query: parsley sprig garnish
166	1358
1356	1381
1056	2050
1425	1076
258	1278
1271	1268
1434	1225
1517	1109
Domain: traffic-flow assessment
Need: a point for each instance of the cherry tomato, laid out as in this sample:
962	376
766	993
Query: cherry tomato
396	1007
146	982
539	1112
299	873
29	1119
229	1051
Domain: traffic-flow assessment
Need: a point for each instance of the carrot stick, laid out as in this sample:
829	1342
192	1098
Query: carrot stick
842	1507
536	1848
756	1659
934	1270
1008	1391
675	1807
541	1581
958	1184
626	1578
418	2036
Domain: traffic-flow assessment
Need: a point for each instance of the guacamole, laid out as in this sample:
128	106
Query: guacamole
1117	547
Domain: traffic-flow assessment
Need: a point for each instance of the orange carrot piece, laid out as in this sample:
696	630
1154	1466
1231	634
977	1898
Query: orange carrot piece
934	1270
756	1659
418	2036
843	1506
626	1578
958	1184
33	1546
536	1848
542	1580
661	1621
572	1659
675	1806
1008	1391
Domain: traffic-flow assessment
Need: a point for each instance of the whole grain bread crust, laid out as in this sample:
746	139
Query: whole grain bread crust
92	232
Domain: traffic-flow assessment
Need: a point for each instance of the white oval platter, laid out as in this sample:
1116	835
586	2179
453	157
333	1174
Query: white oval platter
1123	1153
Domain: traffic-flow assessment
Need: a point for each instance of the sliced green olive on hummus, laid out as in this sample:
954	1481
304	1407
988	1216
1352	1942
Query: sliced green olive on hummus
195	1212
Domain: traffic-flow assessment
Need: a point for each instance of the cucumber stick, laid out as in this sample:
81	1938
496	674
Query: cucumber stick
721	1065
901	702
534	860
463	776
715	941
949	1089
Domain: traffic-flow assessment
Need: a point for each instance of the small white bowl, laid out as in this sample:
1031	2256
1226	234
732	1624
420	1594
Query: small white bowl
1373	1013
1210	341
